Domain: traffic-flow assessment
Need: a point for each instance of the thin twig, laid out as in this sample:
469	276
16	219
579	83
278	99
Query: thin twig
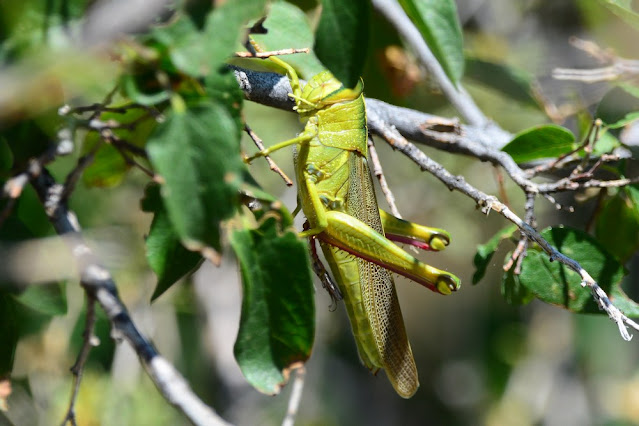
488	203
99	284
379	173
13	187
295	398
619	68
271	53
455	93
88	341
260	145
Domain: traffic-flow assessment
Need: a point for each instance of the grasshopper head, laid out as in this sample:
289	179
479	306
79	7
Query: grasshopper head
323	90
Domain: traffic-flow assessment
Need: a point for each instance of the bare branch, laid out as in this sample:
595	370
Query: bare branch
260	145
99	284
488	203
457	96
379	173
296	397
88	341
619	68
271	53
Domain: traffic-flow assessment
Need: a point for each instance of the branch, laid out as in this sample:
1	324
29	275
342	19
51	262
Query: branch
488	203
89	340
456	94
99	285
393	123
619	68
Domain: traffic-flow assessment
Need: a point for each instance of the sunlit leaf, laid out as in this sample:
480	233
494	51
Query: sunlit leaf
196	151
438	24
278	314
288	28
555	283
343	23
545	141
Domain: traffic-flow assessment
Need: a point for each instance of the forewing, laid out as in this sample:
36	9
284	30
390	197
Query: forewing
378	289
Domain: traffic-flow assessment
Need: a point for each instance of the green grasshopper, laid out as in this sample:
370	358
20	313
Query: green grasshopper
337	196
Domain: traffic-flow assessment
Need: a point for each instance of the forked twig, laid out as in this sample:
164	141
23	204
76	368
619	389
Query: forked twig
88	341
260	145
379	173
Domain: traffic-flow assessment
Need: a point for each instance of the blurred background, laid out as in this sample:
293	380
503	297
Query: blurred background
480	360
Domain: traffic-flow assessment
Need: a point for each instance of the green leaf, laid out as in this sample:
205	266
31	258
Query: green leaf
514	83
225	28
512	289
437	22
197	153
107	169
9	332
623	9
617	226
618	107
544	141
486	251
133	88
168	258
6	157
278	314
46	299
343	23
288	28
556	284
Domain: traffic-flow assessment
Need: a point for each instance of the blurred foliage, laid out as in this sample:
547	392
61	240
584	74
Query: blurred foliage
165	89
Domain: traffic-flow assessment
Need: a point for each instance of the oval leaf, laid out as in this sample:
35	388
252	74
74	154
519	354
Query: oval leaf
288	28
344	23
197	153
485	252
545	141
437	22
167	257
623	9
555	283
618	224
277	325
514	83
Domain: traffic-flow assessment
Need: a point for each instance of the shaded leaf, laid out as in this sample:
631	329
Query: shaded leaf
437	22
107	169
196	152
623	9
512	290
485	252
556	284
617	227
288	28
544	141
46	299
514	83
9	332
278	314
618	107
167	257
343	23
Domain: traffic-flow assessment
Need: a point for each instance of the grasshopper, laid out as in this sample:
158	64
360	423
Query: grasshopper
336	194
